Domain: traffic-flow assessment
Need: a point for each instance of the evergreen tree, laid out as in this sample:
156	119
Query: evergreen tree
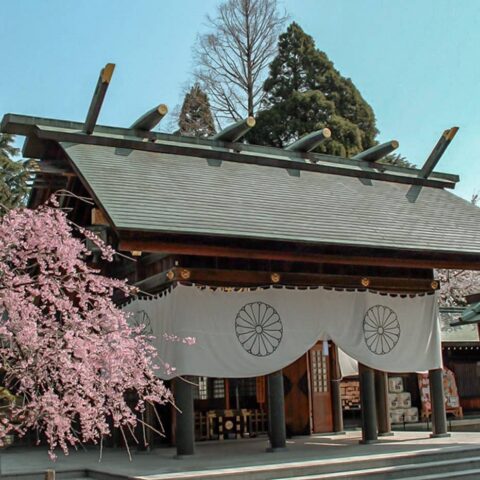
304	92
14	175
195	118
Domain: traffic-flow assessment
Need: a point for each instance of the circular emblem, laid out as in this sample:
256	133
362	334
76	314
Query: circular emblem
381	329
258	328
228	425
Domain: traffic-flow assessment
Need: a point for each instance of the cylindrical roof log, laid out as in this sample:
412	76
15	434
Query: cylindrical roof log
150	119
309	142
377	152
236	131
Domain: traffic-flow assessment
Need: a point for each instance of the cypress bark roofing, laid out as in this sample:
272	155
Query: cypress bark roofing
162	183
170	193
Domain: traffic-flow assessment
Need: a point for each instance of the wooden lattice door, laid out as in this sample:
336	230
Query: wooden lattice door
320	394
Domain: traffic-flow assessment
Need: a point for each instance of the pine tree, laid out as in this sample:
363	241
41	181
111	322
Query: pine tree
304	92
14	175
195	118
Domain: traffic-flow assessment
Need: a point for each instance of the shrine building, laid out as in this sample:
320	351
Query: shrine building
275	260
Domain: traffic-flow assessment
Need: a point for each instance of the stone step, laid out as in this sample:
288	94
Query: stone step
437	469
398	465
462	474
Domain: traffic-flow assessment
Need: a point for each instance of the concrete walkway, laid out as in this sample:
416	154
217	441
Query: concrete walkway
231	453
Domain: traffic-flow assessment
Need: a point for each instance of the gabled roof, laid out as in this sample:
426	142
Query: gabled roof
157	192
161	183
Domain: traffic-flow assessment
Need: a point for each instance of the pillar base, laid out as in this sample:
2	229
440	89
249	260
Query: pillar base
182	456
440	435
276	449
367	442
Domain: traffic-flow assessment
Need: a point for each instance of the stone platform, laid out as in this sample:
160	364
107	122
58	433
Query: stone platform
316	456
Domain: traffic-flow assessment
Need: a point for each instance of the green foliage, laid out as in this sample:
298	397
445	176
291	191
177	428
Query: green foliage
195	118
304	92
14	175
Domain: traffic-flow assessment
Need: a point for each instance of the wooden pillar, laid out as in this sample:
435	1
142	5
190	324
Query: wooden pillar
276	412
367	398
185	421
382	403
335	378
437	397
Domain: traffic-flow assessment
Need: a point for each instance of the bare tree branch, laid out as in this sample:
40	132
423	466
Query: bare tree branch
233	57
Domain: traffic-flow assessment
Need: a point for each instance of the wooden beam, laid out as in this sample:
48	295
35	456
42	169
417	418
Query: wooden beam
226	155
51	167
150	119
437	152
28	126
98	217
309	142
98	97
234	252
377	152
216	277
236	131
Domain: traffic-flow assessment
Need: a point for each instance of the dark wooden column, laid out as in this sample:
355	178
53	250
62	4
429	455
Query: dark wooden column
185	422
439	414
276	412
367	398
335	378
382	403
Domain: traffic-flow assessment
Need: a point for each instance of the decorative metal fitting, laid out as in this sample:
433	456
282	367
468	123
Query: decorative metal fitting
275	277
435	284
185	274
136	253
170	274
365	282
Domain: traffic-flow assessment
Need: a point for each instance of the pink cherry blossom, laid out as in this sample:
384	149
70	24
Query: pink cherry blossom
67	351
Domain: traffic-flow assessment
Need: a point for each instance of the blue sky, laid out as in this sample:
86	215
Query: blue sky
416	62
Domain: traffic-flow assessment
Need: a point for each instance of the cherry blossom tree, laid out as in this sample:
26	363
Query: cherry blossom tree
456	284
67	351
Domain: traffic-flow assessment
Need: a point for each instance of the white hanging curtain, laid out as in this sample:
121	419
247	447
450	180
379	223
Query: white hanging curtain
348	365
249	333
